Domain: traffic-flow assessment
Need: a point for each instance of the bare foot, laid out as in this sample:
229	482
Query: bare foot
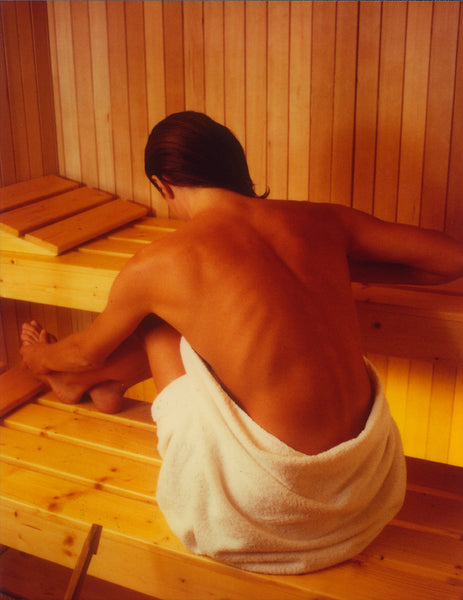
33	333
70	387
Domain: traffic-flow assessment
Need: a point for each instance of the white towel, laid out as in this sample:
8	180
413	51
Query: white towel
234	492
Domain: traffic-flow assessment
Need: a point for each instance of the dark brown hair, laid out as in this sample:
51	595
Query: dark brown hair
190	149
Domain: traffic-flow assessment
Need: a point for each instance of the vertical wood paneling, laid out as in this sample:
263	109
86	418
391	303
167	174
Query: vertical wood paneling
299	100
277	98
194	56
16	91
65	69
173	56
234	65
138	108
322	90
155	82
439	114
31	104
416	69
84	93
214	87
366	105
118	76
389	109
454	212
256	92
344	102
102	95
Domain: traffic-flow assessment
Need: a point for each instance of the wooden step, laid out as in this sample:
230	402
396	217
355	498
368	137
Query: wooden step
66	467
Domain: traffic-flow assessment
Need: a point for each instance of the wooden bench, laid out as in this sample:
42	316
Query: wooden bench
64	468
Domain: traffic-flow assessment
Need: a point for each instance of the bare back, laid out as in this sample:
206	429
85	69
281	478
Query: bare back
261	290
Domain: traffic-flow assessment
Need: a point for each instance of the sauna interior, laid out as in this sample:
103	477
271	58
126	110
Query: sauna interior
356	103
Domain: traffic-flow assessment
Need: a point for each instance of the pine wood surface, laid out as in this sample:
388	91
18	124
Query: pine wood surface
66	467
53	222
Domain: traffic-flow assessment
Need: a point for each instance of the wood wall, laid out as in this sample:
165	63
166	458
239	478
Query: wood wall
359	103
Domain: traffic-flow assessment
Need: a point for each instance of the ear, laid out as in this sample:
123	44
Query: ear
163	187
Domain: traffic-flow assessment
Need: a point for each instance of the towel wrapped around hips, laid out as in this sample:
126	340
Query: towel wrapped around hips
234	492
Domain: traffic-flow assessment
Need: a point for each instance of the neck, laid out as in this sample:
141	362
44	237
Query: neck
189	202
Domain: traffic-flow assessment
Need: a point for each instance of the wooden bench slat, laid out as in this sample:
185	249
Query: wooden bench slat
16	387
80	464
366	577
135	413
437	476
414	557
85	226
44	212
20	194
141	235
82	430
160	223
138	520
112	247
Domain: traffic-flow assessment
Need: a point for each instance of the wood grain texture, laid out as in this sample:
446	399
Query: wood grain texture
63	469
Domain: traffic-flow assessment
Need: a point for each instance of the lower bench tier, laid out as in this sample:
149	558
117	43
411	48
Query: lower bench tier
66	467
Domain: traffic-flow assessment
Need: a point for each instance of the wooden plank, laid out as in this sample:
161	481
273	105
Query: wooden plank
394	17
344	102
27	576
25	192
69	124
85	105
214	75
86	431
397	387
29	83
45	212
138	109
138	523
440	478
416	70
80	464
85	226
234	68
439	113
277	99
101	91
41	40
15	91
366	104
73	280
456	439
193	47
112	247
140	235
396	331
155	83
322	90
58	115
7	163
119	95
417	408
454	209
300	57
440	412
256	103
173	56
16	387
